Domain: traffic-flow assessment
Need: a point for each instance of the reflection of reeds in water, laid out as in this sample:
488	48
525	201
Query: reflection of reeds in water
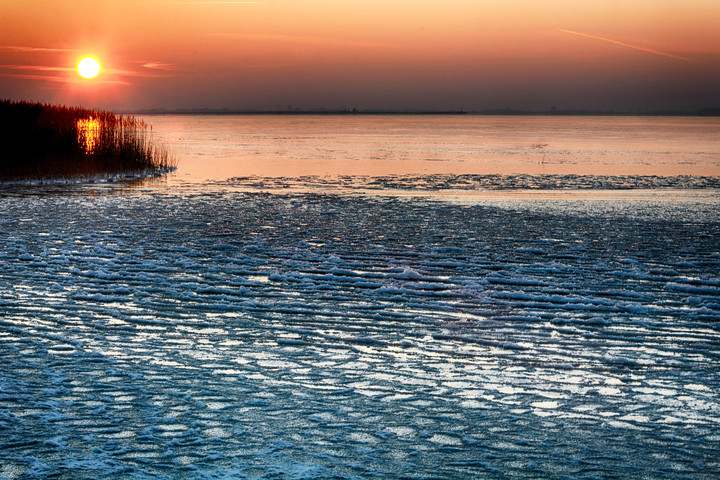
89	133
50	141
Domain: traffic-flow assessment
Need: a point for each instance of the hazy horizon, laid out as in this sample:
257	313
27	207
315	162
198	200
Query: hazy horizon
281	55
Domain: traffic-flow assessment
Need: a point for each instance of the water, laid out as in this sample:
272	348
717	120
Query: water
457	308
218	148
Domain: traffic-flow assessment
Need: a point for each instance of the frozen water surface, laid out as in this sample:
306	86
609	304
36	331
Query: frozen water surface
217	333
233	335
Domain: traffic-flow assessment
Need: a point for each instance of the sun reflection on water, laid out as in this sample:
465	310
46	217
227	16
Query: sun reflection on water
89	133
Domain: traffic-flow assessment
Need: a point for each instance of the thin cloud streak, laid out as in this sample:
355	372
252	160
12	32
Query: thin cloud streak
157	65
71	78
180	2
113	71
56	79
628	45
39	68
133	73
34	77
19	48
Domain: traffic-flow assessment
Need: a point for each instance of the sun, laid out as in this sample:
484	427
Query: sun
88	67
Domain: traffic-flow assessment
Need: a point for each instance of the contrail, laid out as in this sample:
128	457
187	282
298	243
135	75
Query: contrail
628	45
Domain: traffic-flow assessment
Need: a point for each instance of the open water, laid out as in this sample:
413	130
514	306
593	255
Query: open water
371	297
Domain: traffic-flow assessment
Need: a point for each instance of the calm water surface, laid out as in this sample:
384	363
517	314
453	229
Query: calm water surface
216	148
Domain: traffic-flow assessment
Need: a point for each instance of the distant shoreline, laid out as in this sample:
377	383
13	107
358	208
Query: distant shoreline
710	112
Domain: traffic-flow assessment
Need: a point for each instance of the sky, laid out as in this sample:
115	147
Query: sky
639	55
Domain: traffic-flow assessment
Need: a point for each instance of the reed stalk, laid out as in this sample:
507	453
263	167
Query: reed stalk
44	141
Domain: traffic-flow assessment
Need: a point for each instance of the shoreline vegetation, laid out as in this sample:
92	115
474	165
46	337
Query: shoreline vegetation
52	142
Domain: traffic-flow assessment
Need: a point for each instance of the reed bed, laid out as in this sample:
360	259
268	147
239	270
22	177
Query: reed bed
43	141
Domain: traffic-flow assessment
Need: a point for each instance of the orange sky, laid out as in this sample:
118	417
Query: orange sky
371	54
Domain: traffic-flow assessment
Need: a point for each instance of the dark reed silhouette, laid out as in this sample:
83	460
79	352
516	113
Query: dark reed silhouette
43	141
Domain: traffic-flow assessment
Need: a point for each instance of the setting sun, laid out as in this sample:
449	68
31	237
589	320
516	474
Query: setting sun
88	67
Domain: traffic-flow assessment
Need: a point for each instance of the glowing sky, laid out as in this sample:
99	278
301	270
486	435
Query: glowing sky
369	54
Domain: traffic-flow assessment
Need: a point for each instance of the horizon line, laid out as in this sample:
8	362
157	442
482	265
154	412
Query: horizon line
711	111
